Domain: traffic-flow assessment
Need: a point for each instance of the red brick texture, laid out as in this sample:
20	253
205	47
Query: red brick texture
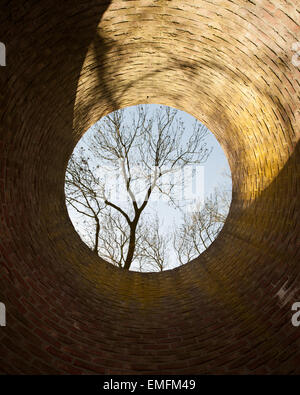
227	62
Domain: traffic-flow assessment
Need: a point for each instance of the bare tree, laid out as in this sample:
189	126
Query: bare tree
201	227
145	147
153	248
80	188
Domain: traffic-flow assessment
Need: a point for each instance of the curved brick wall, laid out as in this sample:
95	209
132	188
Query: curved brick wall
229	63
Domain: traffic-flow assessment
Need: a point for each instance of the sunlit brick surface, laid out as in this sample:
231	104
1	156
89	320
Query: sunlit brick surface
229	63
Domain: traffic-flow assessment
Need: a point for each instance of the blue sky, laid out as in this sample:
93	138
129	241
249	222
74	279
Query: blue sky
216	164
214	169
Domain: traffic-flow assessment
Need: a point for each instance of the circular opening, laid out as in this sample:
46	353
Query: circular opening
148	188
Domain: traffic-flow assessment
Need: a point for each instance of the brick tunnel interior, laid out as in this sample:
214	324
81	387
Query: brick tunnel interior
229	64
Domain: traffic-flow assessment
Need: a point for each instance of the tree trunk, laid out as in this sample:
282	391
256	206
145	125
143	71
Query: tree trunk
97	235
131	247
